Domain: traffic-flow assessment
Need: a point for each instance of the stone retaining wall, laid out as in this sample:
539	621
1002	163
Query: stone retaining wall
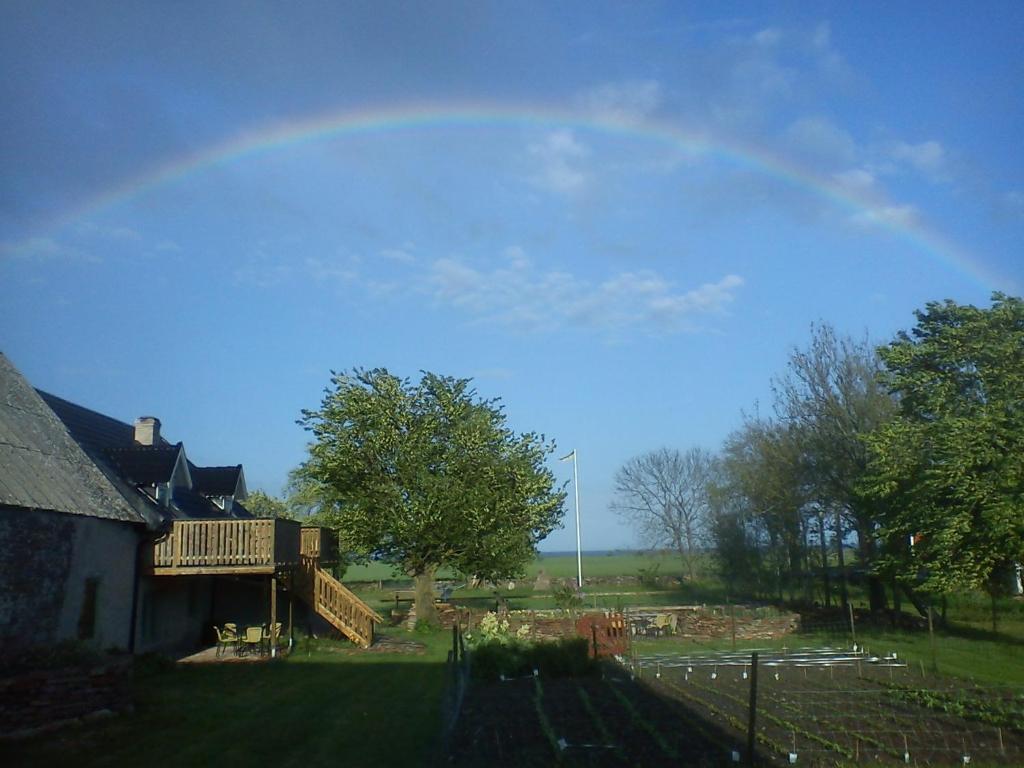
39	701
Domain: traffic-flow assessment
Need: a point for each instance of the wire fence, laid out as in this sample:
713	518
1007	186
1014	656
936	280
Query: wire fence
814	704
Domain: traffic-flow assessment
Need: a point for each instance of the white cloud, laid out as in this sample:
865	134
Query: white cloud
1014	200
560	158
627	102
819	139
886	216
821	38
768	37
399	255
332	270
45	249
855	179
261	271
928	157
516	294
91	228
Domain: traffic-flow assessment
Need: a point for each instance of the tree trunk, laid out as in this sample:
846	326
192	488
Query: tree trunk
824	560
876	587
919	603
843	589
424	586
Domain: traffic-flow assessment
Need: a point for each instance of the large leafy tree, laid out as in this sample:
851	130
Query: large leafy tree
428	475
831	397
763	479
262	504
951	465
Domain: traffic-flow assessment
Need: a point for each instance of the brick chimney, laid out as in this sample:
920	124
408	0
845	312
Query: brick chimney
147	430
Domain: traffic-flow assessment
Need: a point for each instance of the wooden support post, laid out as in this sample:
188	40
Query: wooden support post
273	615
752	717
455	643
853	628
593	632
291	610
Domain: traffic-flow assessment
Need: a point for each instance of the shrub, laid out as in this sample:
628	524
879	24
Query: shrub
492	660
649	576
567	598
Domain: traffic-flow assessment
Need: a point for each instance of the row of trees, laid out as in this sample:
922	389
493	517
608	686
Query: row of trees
912	452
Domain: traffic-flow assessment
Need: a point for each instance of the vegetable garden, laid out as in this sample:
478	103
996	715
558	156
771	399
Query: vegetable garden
815	707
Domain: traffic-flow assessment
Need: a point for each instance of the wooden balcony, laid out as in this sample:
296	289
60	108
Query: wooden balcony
229	546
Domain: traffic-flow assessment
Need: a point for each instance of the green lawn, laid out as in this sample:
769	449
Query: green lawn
317	708
961	652
327	705
560	566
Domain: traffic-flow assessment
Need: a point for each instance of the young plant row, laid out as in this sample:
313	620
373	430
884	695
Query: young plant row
990	712
728	717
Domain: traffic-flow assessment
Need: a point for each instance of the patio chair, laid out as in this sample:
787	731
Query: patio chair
665	623
253	639
226	638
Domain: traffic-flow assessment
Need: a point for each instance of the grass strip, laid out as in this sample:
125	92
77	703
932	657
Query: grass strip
545	724
595	717
639	720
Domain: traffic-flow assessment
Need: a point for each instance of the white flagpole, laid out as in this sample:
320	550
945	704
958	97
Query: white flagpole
579	551
576	489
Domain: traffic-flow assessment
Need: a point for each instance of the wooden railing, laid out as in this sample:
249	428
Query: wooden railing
319	543
312	542
229	543
336	603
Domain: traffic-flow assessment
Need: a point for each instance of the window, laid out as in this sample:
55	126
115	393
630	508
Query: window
87	616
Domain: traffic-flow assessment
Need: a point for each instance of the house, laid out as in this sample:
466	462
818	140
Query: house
111	536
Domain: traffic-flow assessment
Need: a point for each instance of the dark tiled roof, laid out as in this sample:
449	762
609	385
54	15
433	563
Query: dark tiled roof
143	464
93	431
41	466
237	510
193	505
215	481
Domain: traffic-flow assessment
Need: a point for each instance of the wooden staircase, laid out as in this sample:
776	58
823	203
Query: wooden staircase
336	603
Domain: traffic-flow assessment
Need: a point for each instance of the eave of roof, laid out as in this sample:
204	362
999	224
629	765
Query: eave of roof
42	466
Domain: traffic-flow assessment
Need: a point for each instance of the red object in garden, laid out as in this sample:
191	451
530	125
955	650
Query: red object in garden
606	633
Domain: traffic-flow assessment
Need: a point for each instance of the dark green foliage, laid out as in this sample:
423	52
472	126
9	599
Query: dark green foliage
67	653
567	598
950	468
427	475
567	657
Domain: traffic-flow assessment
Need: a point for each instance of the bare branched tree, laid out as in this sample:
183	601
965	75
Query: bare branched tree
664	494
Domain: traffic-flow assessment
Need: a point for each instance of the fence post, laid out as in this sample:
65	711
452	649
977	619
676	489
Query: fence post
853	629
931	636
752	719
732	616
455	643
593	632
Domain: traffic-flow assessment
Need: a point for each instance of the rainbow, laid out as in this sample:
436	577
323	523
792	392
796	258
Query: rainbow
275	136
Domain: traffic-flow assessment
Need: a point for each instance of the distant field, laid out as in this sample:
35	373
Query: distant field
622	563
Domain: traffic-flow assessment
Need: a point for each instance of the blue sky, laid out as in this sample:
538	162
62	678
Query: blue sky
617	217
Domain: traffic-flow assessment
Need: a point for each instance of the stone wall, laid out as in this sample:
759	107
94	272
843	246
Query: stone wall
38	701
47	559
